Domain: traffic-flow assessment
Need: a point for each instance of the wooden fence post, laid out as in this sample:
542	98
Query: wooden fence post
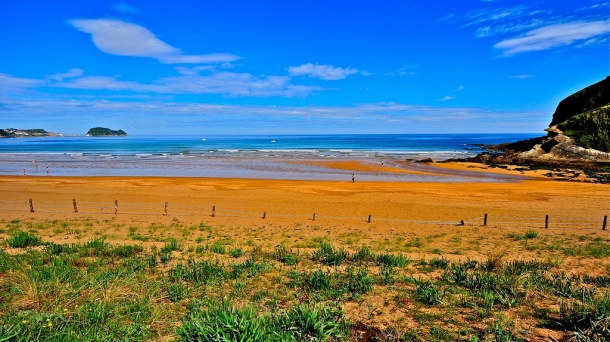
314	217
31	206
213	211
485	220
74	204
369	219
264	215
116	207
165	212
546	222
605	221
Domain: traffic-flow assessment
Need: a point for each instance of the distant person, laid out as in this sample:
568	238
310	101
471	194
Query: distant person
47	167
353	178
382	163
24	172
35	164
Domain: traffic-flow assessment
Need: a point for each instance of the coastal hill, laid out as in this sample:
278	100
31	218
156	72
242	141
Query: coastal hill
104	132
585	100
578	132
26	133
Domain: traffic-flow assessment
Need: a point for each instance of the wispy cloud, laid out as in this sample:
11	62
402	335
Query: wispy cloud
488	31
535	29
11	84
72	73
522	76
323	72
553	36
593	7
446	98
493	15
404	71
190	82
460	88
203	79
126	39
126	8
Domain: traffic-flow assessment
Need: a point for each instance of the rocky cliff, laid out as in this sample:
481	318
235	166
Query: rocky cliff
579	130
591	97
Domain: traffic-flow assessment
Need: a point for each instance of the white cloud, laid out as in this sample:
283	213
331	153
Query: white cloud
324	72
522	76
126	8
126	39
190	82
461	87
493	14
488	31
195	70
407	70
203	79
103	83
233	84
447	98
593	7
74	72
9	83
553	36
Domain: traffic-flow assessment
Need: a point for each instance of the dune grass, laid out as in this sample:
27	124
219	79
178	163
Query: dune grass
217	290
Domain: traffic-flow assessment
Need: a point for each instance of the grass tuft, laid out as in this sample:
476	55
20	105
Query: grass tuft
21	239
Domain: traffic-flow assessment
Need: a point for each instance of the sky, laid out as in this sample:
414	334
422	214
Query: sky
296	67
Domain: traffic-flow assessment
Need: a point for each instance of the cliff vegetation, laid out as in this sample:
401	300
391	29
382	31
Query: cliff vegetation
590	129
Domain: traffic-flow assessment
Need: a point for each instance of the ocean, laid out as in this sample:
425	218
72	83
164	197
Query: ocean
230	156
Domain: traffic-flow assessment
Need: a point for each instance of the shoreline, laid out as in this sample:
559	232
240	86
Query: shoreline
310	169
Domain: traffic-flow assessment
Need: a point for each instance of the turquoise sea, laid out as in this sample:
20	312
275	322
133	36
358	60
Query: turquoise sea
229	156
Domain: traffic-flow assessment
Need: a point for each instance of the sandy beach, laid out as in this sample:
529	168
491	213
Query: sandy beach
422	221
399	211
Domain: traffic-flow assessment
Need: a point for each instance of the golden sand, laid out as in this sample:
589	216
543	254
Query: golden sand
399	211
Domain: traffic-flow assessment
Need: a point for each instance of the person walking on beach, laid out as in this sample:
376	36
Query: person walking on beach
24	172
353	178
47	167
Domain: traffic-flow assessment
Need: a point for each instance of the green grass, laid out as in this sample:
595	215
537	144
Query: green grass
218	248
97	290
21	239
330	256
222	322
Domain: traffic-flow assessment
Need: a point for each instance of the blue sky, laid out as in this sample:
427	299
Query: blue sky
273	67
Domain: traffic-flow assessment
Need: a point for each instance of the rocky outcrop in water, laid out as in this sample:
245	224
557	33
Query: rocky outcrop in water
104	132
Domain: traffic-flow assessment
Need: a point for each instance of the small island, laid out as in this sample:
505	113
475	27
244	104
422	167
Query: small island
104	132
26	133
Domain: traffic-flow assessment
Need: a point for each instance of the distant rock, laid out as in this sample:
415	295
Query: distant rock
26	133
104	132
